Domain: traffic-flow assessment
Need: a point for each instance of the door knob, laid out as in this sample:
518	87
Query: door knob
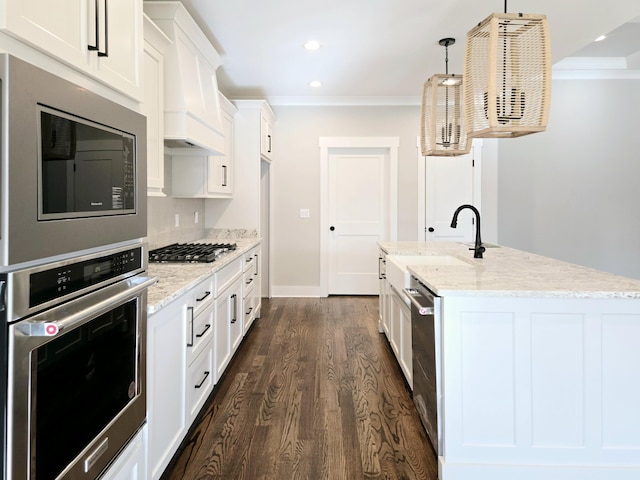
332	228
431	229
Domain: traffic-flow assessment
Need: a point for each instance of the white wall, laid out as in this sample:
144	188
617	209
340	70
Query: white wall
573	192
296	179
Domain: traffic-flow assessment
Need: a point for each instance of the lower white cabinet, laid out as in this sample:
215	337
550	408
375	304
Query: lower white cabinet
190	343
228	324
130	464
251	289
395	321
166	383
400	332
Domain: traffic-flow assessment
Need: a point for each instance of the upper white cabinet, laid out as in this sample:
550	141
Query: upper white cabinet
220	178
266	132
100	38
155	44
196	174
191	101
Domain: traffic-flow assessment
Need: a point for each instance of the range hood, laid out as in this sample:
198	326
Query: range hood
191	102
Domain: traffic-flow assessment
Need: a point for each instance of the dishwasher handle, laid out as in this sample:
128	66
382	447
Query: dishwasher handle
418	301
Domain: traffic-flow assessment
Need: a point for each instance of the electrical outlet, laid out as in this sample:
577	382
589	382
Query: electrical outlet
305	213
177	220
195	217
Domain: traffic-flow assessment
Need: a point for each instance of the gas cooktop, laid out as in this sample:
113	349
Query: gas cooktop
190	252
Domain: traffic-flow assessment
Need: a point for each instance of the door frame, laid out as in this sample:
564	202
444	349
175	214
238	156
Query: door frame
330	145
476	152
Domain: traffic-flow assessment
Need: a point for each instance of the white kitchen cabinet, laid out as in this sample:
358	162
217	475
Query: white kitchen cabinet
196	174
228	319
179	345
130	463
266	133
102	39
166	383
251	180
395	320
200	379
383	300
251	287
155	43
220	174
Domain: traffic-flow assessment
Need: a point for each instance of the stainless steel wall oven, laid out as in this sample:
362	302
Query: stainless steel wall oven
74	363
73	167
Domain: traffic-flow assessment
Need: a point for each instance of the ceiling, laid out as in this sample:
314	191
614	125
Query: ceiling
381	51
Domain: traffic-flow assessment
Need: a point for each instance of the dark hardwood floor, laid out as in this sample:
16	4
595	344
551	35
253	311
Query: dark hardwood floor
314	392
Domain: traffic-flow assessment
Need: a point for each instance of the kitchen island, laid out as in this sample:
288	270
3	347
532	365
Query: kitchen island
539	366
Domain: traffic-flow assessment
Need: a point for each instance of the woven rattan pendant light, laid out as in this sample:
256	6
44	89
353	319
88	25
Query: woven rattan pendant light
442	129
507	74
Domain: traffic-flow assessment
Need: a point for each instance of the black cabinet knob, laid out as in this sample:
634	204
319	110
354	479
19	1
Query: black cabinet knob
431	229
332	228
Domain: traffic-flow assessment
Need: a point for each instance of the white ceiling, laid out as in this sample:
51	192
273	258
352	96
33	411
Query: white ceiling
381	48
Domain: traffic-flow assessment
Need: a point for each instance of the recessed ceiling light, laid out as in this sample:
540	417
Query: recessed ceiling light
315	83
600	38
312	45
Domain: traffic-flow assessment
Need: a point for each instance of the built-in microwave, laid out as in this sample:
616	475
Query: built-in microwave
73	167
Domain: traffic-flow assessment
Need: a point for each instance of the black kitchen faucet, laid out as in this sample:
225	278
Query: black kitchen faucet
478	249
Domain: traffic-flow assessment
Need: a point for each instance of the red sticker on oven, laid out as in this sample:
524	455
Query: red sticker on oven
51	329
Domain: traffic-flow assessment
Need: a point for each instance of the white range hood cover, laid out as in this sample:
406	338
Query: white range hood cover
191	101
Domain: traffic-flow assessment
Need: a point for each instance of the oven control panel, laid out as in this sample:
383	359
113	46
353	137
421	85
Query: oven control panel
60	281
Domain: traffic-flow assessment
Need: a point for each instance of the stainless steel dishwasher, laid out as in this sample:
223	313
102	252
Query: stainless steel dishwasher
425	335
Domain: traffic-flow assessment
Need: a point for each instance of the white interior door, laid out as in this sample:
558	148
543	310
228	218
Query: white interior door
356	195
359	198
447	183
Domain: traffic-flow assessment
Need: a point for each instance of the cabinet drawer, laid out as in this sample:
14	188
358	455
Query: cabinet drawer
199	381
199	331
249	262
250	304
248	283
226	276
202	296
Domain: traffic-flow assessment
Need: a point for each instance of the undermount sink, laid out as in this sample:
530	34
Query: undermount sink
399	276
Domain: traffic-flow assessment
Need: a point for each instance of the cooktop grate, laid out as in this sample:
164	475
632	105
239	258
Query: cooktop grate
190	252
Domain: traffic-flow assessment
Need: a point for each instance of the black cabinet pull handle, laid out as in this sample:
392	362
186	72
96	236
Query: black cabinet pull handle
250	280
249	312
104	52
201	334
224	169
206	294
93	35
431	229
332	228
206	374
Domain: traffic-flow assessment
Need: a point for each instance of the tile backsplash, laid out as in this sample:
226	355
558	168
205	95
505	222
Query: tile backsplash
162	212
173	220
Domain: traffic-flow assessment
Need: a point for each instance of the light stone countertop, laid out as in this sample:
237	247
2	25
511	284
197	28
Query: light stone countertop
507	272
176	279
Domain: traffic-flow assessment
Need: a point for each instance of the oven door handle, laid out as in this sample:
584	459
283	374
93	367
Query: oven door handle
104	301
413	295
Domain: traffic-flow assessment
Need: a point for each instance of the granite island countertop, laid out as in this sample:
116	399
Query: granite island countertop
509	272
175	279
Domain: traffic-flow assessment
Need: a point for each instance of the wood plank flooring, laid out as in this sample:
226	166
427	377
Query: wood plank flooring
314	392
